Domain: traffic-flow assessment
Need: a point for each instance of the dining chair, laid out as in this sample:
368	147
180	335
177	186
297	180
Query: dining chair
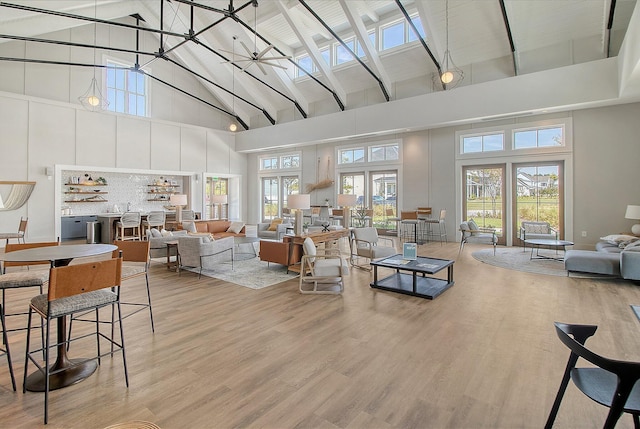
129	220
73	289
136	259
22	229
14	279
609	382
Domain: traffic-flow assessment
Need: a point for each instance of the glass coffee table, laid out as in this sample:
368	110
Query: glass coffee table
414	277
556	244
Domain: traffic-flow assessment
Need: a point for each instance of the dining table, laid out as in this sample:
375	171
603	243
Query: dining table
67	371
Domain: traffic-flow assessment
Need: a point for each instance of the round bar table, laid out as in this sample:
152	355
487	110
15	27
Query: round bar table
69	371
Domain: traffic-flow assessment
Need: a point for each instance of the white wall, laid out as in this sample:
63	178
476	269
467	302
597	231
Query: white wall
606	151
41	133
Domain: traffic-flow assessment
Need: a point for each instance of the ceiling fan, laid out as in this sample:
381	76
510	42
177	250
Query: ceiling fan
259	59
255	57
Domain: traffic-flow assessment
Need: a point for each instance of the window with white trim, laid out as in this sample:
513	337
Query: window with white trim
538	137
351	155
388	152
126	89
483	143
280	162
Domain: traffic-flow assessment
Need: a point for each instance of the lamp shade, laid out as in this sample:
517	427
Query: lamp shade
633	212
219	199
347	200
299	201
178	199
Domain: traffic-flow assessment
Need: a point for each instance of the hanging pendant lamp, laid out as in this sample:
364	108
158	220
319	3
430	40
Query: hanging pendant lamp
451	74
92	99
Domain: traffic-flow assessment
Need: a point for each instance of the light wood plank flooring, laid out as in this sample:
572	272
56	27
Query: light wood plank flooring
482	355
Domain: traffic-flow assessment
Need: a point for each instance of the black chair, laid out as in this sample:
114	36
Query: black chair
611	383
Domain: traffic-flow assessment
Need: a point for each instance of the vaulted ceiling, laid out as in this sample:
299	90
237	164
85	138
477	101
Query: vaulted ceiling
488	40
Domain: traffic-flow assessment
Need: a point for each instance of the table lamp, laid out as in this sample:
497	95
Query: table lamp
347	201
178	200
633	212
219	200
299	202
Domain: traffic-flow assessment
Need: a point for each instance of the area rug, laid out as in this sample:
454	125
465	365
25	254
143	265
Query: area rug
514	258
252	273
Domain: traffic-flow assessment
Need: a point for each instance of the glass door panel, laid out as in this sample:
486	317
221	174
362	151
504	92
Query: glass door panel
270	207
539	195
484	200
383	198
216	186
353	183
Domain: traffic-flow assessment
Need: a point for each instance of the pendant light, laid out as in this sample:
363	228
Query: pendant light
451	75
92	99
233	127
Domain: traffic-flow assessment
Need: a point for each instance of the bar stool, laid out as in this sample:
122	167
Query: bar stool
409	223
442	227
154	219
128	220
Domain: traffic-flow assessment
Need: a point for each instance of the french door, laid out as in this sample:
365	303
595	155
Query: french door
216	186
275	192
539	195
483	199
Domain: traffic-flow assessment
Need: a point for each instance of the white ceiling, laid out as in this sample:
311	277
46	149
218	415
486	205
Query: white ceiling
546	34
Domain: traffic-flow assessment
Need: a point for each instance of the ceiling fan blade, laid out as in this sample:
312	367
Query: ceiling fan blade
264	51
284	57
247	66
251	54
264	72
272	64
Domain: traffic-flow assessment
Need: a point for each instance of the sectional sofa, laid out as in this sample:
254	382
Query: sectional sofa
615	255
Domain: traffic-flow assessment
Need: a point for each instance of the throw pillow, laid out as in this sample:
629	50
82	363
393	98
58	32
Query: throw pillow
536	228
274	224
207	238
155	233
617	238
189	226
473	226
630	243
235	227
166	233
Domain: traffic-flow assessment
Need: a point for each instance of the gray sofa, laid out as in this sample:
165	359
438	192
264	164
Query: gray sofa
158	247
608	258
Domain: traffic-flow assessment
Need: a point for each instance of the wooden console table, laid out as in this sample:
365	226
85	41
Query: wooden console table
295	247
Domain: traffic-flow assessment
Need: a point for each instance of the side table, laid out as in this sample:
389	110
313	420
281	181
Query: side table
172	265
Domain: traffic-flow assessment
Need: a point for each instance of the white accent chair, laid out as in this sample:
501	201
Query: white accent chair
366	244
530	230
471	233
321	271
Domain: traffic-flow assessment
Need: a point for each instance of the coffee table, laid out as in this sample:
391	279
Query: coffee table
239	240
414	281
557	244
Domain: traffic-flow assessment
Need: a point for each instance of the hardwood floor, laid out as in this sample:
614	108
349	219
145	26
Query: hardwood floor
482	355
